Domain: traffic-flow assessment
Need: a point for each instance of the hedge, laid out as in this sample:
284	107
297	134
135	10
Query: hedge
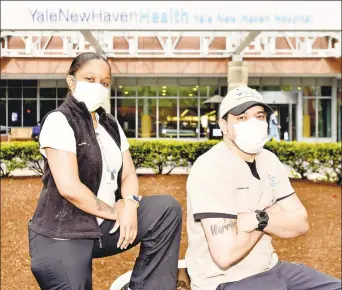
162	156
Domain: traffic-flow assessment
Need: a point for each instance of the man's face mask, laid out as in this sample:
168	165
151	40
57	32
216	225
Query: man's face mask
251	135
92	94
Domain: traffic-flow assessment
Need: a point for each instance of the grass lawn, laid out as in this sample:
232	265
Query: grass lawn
320	248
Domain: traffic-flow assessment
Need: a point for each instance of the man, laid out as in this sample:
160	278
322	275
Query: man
36	132
274	127
238	196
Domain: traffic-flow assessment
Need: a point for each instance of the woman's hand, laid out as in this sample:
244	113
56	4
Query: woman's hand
119	205
128	223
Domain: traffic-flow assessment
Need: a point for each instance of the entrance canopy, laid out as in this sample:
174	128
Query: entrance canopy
210	29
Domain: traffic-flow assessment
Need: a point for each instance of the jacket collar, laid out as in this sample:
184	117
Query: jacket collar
80	107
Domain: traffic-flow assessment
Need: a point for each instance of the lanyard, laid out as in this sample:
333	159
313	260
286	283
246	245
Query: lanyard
113	171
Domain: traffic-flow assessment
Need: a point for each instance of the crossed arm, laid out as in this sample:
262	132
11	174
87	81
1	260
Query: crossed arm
228	246
230	241
287	219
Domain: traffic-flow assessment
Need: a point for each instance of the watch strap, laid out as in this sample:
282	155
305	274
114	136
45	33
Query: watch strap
262	217
134	198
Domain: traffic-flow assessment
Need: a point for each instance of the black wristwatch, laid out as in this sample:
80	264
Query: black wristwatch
263	218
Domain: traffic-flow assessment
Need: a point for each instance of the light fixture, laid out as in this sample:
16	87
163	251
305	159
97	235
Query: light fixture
126	93
194	89
299	88
197	87
120	87
190	95
184	113
163	94
164	91
163	87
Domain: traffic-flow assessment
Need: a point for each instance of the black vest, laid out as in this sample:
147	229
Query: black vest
56	217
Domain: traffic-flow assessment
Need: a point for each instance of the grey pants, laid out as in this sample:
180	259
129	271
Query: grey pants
286	276
58	265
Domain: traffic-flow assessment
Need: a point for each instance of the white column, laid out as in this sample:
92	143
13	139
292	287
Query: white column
237	74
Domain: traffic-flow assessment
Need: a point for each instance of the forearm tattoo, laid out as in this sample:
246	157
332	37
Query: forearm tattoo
219	228
102	206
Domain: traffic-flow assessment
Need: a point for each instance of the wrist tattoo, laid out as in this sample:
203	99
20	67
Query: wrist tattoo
102	206
219	228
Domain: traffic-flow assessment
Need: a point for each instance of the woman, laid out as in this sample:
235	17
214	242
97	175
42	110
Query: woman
89	206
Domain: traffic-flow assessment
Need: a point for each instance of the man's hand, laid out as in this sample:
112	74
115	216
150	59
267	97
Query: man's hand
128	223
247	222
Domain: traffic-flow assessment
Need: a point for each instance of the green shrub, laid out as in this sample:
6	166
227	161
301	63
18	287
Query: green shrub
10	157
303	158
18	155
32	157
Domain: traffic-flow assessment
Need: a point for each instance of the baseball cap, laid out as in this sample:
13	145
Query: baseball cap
240	99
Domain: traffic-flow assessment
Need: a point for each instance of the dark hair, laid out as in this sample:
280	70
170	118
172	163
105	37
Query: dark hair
82	59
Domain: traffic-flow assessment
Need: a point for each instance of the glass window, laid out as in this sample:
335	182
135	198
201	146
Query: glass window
286	88
112	107
294	122
2	113
168	118
14	113
257	88
48	93
324	117
309	91
208	91
324	91
208	118
203	91
168	91
123	91
30	83
223	91
339	112
188	91
62	92
14	83
188	118
147	114
112	92
309	118
271	88
30	93
30	113
3	83
2	93
126	116
46	107
59	102
147	91
14	93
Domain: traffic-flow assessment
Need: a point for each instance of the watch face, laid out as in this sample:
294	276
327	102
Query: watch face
135	198
263	216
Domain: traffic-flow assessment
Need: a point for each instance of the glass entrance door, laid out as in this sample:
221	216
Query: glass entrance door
287	120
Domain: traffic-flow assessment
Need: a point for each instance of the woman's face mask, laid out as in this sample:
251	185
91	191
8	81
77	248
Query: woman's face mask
251	135
92	94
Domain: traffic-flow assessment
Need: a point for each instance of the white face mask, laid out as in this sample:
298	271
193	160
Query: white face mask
251	135
92	94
